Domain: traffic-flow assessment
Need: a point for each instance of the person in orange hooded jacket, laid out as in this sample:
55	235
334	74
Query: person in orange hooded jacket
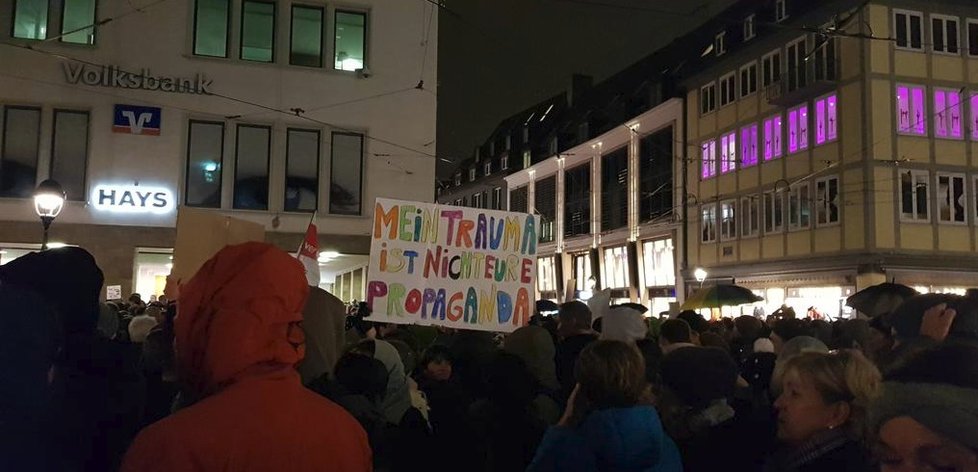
238	338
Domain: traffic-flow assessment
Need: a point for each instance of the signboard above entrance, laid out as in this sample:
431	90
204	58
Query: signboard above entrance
132	199
114	76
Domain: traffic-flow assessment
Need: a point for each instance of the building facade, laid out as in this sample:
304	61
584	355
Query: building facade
266	111
831	147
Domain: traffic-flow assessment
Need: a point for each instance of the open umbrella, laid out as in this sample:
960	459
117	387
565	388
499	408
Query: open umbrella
720	295
880	299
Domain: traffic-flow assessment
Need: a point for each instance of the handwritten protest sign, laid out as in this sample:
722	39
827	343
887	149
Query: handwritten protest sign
458	267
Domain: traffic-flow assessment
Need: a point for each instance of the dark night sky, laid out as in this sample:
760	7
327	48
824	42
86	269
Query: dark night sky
497	57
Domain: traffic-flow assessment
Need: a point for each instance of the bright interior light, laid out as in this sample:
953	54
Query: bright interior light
327	256
56	245
169	266
585	295
210	166
700	274
351	64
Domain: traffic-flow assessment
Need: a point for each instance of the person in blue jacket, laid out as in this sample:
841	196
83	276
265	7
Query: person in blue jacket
610	423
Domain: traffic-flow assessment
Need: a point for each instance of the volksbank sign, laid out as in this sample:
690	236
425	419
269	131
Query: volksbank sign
112	76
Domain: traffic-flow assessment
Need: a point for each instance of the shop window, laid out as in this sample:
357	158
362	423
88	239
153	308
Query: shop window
771	68
827	201
302	170
708	158
796	54
944	33
750	216
346	174
947	113
258	31
911	110
951	204
708	223
972	37
351	40
205	159
773	132
18	161
69	152
31	19
306	44
577	201
773	212
582	271
748	79
748	145
151	268
826	119
658	260
799	207
616	268
211	19
546	205
728	220
614	189
728	153
546	274
77	22
908	26
252	152
749	28
728	89
798	129
914	193
708	98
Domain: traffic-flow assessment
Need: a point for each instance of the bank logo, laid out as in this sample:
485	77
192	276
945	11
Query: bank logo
132	119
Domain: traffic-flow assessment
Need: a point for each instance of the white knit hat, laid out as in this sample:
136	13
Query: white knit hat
139	328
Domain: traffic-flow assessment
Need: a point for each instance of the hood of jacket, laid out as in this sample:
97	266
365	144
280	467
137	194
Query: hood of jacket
323	320
241	311
534	345
397	400
630	439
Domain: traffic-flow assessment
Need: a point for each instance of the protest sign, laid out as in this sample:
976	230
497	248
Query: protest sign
201	234
113	292
465	268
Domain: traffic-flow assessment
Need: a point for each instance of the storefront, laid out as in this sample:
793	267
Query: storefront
547	287
659	274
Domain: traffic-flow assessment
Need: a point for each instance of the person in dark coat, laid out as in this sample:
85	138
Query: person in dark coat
29	343
821	410
98	397
449	405
574	329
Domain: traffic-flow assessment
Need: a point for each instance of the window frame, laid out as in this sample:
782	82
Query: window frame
750	213
186	192
968	22
268	164
947	121
473	174
908	14
88	147
829	101
504	161
713	166
749	156
944	32
798	111
938	198
319	163
13	22
711	208
497	196
708	91
777	145
776	197
227	32
750	80
332	173
732	226
728	152
94	25
914	129
720	44
366	37
797	202
322	32
730	80
749	29
800	69
915	181
822	205
241	32
776	68
488	167
780	10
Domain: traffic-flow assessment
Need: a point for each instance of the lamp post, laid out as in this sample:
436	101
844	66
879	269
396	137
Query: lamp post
700	275
49	199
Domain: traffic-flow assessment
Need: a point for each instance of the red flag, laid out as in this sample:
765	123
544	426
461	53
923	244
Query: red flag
309	254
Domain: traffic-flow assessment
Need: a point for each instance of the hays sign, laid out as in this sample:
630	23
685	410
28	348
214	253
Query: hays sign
132	199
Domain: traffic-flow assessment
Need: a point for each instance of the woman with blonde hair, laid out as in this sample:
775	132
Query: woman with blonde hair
821	409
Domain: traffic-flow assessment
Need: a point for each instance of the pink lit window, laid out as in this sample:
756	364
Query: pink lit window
974	116
947	114
709	158
826	124
911	111
772	138
748	145
728	153
798	129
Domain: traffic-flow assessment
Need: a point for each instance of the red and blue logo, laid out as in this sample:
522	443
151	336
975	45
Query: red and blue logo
132	119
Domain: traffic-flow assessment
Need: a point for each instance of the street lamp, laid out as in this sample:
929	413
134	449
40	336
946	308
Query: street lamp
49	199
700	275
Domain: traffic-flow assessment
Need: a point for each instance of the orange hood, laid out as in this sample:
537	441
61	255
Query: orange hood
242	309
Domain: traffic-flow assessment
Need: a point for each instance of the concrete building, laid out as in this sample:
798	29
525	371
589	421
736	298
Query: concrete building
832	147
265	111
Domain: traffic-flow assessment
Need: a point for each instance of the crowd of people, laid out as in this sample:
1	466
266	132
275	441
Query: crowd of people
248	368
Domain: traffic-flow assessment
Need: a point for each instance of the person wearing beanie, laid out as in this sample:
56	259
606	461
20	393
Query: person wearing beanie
623	323
927	417
698	384
140	326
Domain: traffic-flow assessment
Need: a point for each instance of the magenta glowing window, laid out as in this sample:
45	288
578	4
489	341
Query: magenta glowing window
826	119
798	129
748	145
911	110
974	116
709	158
947	114
728	152
772	138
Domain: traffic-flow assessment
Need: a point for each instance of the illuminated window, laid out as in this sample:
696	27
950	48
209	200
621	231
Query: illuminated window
826	119
827	201
974	116
947	113
798	129
582	270
773	148
728	220
708	158
77	22
658	260
914	191
708	223
616	267
951	200
205	152
211	18
911	110
546	274
748	145
728	153
351	40
258	31
31	19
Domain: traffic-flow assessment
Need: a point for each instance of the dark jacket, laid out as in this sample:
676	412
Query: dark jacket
825	454
567	353
615	439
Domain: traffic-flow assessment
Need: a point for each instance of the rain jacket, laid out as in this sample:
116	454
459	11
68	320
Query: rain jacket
323	320
238	338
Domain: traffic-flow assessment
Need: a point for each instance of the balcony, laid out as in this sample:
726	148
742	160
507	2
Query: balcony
812	79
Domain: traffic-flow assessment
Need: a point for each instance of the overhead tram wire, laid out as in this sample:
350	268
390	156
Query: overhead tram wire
105	21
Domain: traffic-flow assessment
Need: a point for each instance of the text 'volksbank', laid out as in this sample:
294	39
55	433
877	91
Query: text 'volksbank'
112	76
